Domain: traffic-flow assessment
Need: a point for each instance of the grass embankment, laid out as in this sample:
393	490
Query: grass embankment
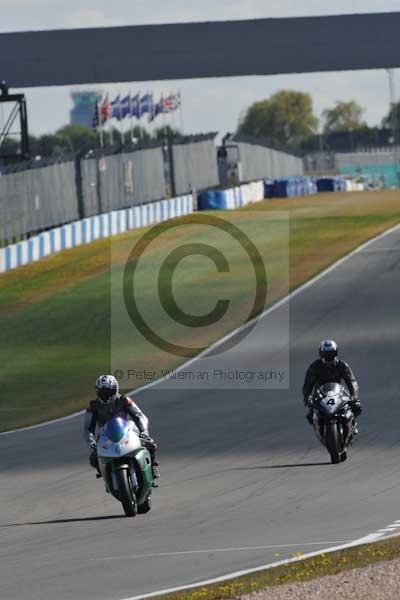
295	572
55	314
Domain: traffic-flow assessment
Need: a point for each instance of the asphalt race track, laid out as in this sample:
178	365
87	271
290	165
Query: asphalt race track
244	481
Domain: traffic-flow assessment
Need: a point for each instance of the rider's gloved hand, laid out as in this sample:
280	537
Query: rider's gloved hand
307	401
145	436
92	442
356	407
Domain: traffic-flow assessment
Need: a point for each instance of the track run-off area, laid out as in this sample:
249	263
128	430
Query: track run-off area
244	481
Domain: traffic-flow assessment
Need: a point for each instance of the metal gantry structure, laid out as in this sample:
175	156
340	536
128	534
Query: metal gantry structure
197	50
17	117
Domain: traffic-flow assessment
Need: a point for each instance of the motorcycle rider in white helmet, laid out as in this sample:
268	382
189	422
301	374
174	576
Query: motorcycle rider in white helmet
110	403
329	369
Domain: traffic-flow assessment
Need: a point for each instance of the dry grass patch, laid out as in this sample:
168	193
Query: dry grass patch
56	316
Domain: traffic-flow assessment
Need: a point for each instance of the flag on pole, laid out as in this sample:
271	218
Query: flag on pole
115	108
96	116
172	103
158	109
146	104
97	123
105	110
135	106
121	125
125	107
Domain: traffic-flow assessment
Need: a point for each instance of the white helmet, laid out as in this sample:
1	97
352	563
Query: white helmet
328	351
107	387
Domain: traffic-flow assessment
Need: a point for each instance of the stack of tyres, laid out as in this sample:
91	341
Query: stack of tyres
298	186
314	186
285	188
302	186
290	187
331	184
280	188
269	186
326	184
212	200
341	184
310	185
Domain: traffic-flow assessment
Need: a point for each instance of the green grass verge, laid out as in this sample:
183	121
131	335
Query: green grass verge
295	572
56	318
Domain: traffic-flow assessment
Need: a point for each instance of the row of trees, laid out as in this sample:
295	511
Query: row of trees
77	138
287	119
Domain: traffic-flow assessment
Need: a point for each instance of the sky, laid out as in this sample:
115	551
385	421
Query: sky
208	104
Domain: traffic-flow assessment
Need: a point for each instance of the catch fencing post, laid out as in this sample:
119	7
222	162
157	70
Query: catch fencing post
78	184
171	165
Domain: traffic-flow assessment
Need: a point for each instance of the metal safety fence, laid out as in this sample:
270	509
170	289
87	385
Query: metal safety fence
47	194
44	194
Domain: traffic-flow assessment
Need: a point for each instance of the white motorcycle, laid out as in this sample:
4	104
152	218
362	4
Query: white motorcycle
125	465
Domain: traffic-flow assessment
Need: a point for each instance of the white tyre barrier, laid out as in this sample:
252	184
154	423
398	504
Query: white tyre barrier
92	228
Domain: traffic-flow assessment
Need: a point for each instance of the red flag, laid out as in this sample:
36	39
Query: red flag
105	110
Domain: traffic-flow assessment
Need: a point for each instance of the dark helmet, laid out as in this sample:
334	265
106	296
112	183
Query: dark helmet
328	351
107	387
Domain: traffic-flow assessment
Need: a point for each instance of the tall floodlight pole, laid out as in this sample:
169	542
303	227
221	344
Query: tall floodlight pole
394	122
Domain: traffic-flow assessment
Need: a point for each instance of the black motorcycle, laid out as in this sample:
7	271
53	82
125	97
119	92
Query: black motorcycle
333	420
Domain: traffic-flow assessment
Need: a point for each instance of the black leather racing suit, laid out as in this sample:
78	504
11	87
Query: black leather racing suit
98	413
320	373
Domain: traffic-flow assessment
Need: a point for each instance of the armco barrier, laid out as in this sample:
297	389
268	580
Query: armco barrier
92	228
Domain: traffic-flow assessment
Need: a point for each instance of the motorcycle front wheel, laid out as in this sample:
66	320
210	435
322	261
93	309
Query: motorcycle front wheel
127	497
145	507
332	442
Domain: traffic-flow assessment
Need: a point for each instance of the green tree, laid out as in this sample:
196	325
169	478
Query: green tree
76	138
48	145
137	133
344	116
285	119
9	146
71	138
167	131
141	133
392	119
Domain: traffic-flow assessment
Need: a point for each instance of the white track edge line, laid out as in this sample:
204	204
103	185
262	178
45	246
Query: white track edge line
214	551
45	424
268	311
364	540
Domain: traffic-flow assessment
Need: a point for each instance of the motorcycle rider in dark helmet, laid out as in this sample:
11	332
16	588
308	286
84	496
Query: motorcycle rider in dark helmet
110	403
329	369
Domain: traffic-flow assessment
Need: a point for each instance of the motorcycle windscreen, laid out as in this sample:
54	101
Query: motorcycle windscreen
115	429
330	388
